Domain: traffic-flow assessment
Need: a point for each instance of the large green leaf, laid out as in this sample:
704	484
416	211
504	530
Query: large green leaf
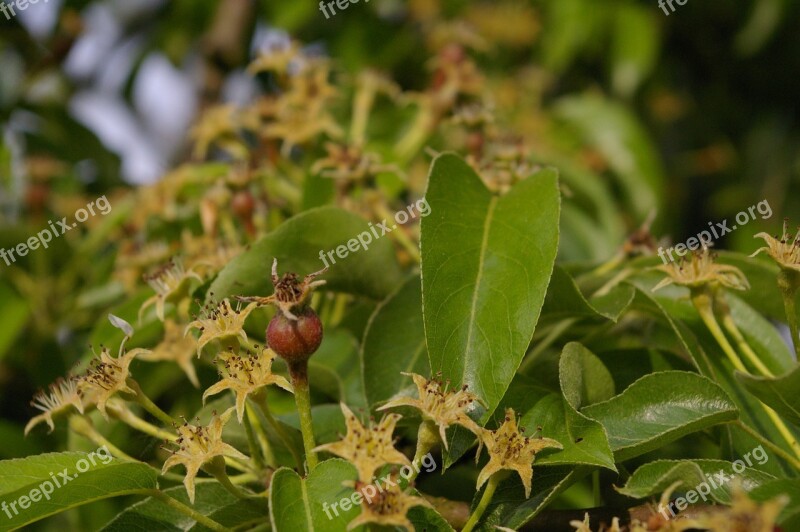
486	264
715	475
78	482
307	504
660	408
781	393
211	500
297	243
394	342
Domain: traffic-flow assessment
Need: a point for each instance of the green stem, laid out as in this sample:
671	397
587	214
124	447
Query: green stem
777	450
261	401
186	510
302	397
486	498
787	282
255	451
81	425
702	301
149	405
733	329
129	418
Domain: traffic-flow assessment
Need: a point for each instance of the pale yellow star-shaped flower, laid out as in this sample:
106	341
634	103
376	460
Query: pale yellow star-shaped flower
367	448
701	270
220	322
439	405
172	283
175	347
784	250
510	449
107	376
62	397
245	375
388	508
198	445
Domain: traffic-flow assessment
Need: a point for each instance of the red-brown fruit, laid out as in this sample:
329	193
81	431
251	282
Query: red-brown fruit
295	340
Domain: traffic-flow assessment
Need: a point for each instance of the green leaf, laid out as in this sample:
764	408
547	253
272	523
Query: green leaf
395	342
300	504
660	408
584	378
710	478
565	300
789	518
636	39
15	312
297	243
617	134
781	393
81	484
211	500
486	264
509	507
335	370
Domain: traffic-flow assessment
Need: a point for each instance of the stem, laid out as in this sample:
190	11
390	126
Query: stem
702	302
302	396
488	493
261	401
186	510
149	405
81	425
742	344
787	282
777	450
132	420
255	451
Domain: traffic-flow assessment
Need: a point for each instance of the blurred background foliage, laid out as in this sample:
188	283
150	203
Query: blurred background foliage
692	117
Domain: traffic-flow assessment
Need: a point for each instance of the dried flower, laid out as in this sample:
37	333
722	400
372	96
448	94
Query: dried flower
246	375
701	270
350	163
171	282
221	322
175	347
289	292
509	448
439	405
198	445
63	396
387	508
220	125
785	251
368	448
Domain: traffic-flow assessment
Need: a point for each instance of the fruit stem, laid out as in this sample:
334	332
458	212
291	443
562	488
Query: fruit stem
788	283
427	437
486	498
302	397
149	405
